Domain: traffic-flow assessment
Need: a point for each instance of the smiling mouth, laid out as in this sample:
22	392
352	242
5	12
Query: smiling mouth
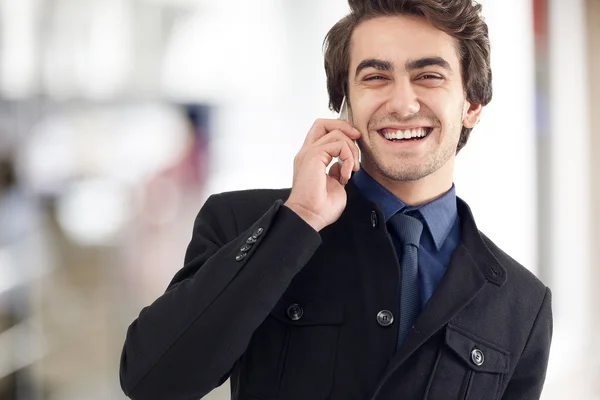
405	135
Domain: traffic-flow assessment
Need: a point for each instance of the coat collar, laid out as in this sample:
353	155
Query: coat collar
367	214
438	215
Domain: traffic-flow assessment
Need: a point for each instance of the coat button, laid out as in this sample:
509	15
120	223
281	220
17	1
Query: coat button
477	357
240	256
374	219
295	312
385	318
251	240
258	232
245	248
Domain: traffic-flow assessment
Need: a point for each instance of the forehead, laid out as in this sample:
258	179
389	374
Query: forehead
400	38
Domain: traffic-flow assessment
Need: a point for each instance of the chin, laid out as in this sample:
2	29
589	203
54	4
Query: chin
401	173
408	175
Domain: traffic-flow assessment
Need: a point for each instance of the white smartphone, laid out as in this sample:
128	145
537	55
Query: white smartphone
344	111
346	116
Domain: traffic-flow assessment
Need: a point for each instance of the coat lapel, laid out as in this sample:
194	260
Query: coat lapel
461	283
472	266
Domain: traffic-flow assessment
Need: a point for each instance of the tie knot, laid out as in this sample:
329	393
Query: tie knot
407	228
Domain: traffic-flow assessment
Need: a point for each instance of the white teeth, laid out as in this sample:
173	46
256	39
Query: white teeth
407	134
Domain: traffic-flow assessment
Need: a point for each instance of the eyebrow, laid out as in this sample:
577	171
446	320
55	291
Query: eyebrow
374	63
410	65
426	62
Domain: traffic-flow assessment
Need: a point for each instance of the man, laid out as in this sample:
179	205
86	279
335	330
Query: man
375	284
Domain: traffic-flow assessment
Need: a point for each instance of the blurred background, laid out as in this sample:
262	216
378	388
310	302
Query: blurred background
118	118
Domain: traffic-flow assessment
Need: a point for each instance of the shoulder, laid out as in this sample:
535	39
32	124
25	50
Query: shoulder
518	277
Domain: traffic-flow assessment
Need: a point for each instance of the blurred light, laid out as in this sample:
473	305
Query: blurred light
127	143
20	346
225	54
18	63
146	140
88	49
49	160
110	53
179	3
63	45
93	212
161	204
8	276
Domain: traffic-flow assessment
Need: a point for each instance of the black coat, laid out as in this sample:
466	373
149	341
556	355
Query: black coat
288	313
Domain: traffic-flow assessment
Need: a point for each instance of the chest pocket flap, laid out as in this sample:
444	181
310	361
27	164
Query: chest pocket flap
480	355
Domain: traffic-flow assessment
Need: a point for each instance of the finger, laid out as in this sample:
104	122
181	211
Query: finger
339	135
323	126
338	149
346	170
346	157
333	136
336	171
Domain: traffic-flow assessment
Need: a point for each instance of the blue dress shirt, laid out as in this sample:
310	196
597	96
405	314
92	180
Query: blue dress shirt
439	239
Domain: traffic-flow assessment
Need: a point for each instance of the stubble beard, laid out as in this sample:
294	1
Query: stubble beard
398	170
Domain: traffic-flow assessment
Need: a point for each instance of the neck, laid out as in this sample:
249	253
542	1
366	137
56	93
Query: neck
417	192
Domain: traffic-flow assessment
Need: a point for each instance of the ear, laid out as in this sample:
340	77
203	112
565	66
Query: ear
471	115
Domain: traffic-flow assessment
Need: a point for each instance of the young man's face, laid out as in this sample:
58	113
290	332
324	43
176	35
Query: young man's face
405	76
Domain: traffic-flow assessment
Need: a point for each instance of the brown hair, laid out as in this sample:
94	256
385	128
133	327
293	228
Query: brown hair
461	19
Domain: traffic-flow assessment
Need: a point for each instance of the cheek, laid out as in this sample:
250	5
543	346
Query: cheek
449	112
434	101
364	109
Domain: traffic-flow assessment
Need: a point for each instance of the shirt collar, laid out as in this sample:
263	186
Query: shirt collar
439	215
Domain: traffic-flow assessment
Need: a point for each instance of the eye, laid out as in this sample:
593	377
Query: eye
429	76
374	78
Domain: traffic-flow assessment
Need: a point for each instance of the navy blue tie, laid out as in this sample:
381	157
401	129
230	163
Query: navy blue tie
408	231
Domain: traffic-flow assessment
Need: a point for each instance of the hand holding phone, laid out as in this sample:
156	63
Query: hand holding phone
318	196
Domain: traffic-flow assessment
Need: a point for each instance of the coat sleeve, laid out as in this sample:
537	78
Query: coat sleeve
187	342
527	381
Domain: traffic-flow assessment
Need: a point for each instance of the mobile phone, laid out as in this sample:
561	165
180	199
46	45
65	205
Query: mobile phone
344	111
346	116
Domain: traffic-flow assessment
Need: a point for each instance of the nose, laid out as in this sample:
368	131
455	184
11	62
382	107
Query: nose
403	100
